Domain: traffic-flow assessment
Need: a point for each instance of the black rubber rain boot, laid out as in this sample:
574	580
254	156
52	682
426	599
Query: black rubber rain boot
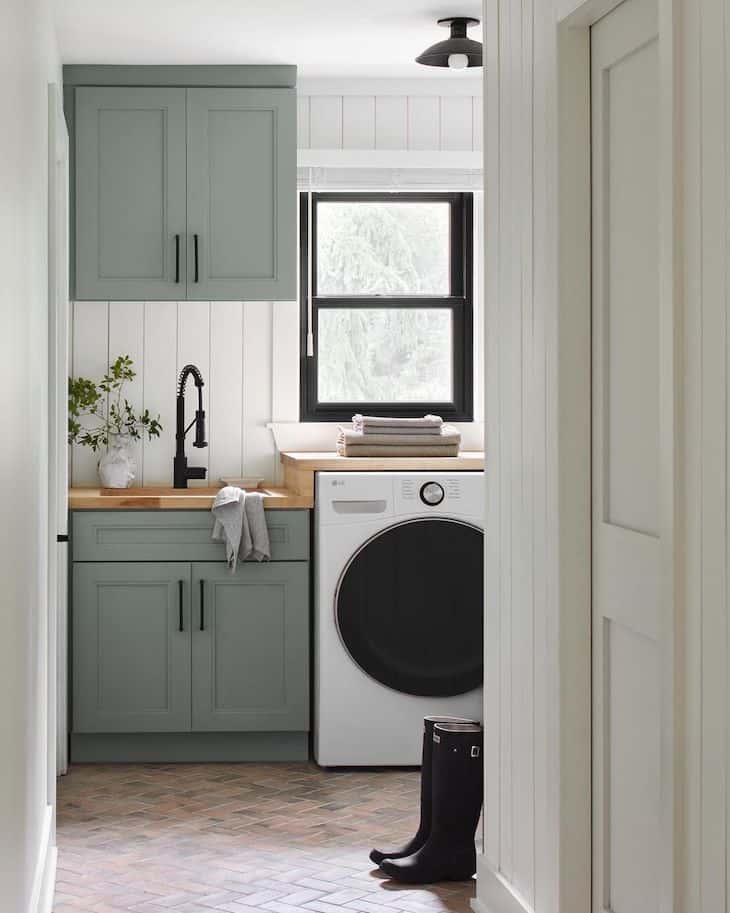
424	827
449	853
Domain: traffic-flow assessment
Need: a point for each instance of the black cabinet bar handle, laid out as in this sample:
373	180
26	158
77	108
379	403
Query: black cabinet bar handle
195	248
181	626
177	258
202	605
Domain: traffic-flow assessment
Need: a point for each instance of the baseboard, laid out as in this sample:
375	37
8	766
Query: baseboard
171	747
495	894
44	877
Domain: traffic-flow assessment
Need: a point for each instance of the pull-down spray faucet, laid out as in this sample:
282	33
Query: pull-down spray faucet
181	471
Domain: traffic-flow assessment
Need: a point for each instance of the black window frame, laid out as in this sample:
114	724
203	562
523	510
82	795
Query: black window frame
459	301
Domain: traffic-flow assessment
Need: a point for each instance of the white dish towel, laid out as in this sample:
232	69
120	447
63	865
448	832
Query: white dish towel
240	523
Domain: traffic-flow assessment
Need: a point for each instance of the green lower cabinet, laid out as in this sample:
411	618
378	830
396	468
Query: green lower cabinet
250	647
131	647
166	654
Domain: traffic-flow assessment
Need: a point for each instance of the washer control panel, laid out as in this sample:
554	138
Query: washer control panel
357	497
432	493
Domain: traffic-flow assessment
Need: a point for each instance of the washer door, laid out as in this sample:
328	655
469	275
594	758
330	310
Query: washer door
409	607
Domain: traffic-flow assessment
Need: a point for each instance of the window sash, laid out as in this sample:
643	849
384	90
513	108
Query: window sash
459	302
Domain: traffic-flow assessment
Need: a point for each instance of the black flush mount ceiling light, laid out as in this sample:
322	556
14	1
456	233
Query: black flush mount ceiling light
458	51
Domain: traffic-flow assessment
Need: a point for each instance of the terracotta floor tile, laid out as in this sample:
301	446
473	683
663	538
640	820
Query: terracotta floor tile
237	838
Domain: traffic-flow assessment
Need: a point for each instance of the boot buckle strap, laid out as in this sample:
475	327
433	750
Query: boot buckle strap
437	738
475	751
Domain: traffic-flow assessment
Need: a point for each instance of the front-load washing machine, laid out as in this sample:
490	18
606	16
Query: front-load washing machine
399	609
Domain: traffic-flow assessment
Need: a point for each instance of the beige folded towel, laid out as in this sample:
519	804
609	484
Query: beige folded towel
398	450
376	424
447	435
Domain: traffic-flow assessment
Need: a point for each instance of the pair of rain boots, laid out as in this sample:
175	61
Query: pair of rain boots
451	801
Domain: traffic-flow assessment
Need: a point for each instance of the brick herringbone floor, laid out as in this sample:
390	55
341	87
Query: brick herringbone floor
239	838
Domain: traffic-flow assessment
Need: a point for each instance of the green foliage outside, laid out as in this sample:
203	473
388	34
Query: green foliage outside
383	354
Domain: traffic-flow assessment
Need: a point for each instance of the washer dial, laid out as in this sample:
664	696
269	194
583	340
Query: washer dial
432	493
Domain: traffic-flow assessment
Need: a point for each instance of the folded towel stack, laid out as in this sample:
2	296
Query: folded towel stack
377	436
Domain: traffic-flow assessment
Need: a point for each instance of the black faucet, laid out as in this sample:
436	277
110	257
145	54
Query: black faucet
181	471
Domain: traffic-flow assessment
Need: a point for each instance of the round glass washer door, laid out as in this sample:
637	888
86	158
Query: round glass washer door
409	607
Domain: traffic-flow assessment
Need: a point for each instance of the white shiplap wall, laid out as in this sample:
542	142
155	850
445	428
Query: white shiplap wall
528	863
705	51
231	343
445	123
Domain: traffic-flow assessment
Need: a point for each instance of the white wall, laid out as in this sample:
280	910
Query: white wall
706	575
249	381
29	63
528	798
399	119
519	868
249	352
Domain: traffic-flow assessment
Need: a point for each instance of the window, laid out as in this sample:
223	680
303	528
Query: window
391	306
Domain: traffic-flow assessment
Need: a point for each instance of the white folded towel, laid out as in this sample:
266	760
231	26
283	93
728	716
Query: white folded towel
447	434
427	424
240	524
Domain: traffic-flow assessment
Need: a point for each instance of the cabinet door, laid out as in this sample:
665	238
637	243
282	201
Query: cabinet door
251	647
242	194
131	647
130	193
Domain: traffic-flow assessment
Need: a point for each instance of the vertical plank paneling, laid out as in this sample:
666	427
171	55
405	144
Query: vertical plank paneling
725	704
456	123
285	367
325	122
713	446
258	445
424	127
416	122
523	632
226	389
126	337
160	377
90	336
193	347
391	122
358	122
477	123
508	418
303	122
493	703
693	459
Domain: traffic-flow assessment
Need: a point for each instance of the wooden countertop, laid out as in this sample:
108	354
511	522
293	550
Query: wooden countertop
297	493
328	461
173	498
301	466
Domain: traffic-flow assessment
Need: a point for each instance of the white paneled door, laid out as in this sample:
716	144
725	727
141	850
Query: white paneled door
627	460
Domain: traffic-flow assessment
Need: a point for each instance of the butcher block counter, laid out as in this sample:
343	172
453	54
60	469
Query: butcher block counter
297	492
300	467
159	498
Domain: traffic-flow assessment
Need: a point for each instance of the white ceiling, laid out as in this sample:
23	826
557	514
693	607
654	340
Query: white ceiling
325	38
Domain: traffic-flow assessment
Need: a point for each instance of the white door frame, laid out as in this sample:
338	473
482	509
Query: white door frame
58	189
574	19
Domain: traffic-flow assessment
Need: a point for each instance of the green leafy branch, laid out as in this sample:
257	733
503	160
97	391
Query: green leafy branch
105	404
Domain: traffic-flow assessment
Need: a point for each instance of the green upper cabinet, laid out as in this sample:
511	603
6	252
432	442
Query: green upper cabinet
130	192
185	193
242	194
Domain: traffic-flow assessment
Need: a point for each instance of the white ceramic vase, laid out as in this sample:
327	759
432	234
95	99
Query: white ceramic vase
117	467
